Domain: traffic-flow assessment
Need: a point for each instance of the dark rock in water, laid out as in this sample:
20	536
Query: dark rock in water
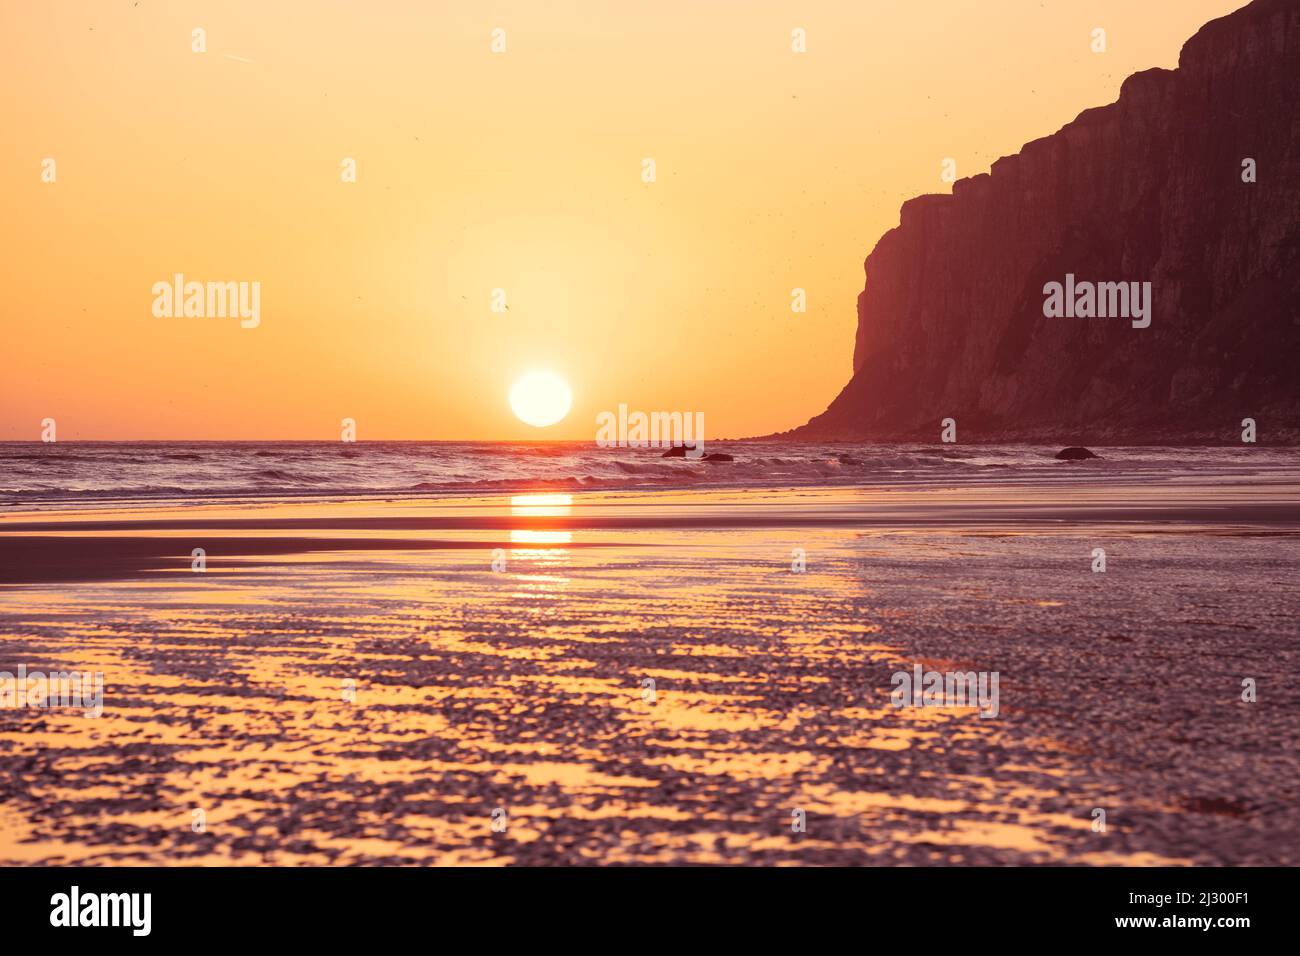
1075	453
680	451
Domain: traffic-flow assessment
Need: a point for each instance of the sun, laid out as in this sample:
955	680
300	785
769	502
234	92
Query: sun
540	398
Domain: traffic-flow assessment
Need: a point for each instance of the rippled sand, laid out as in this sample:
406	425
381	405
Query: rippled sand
525	690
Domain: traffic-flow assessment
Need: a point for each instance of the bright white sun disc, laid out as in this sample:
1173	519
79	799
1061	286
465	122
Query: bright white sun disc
540	399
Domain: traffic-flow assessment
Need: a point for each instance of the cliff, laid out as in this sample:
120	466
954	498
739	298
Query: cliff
1147	189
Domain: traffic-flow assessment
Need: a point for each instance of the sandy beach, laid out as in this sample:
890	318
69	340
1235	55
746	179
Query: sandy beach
645	677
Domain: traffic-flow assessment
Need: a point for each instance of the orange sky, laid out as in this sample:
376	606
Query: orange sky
519	170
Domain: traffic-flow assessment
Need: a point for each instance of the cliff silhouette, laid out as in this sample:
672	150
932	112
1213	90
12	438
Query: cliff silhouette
1147	189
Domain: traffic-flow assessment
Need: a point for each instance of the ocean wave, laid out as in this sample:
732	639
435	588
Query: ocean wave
95	471
276	474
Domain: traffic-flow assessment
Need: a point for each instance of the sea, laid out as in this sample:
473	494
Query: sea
35	473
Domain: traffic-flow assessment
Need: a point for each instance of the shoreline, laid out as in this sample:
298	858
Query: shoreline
95	542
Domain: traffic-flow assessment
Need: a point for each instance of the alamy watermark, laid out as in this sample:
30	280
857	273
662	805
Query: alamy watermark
921	688
1098	300
75	689
208	300
130	910
651	430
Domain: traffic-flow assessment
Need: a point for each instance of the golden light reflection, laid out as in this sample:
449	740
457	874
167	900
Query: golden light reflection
541	506
541	537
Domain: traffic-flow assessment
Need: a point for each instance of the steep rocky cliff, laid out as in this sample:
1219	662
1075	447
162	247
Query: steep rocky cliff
1147	189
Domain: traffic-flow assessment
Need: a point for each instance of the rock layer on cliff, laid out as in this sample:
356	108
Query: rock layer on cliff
1147	189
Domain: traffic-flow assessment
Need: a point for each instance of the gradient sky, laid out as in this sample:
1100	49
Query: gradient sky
476	170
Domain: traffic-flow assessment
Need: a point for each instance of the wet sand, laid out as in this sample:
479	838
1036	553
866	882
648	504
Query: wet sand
524	690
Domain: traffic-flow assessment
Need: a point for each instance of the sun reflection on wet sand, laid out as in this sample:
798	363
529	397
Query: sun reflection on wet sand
541	506
525	689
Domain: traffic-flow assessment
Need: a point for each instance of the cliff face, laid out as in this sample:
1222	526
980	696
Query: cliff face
1147	189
